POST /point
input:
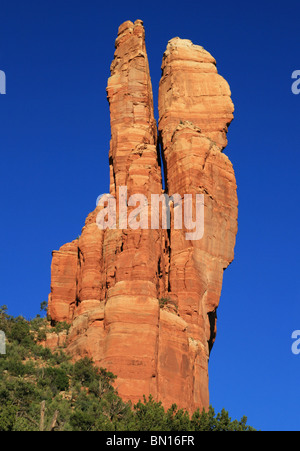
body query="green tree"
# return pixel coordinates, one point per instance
(44, 390)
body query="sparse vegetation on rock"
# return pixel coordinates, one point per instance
(42, 390)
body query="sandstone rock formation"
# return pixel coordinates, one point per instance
(142, 302)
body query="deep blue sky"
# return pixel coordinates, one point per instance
(54, 141)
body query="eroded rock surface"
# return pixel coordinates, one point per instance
(142, 302)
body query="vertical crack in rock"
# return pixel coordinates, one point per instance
(212, 318)
(109, 284)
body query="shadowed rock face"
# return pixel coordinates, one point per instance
(109, 284)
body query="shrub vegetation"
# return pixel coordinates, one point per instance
(42, 390)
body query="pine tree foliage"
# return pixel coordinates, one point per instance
(44, 391)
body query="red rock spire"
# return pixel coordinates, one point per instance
(109, 284)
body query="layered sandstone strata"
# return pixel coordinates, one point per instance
(195, 110)
(142, 302)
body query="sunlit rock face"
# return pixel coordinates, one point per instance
(142, 301)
